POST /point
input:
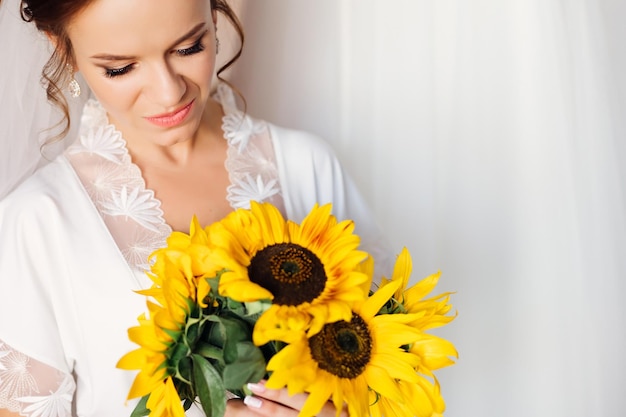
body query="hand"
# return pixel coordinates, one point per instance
(275, 403)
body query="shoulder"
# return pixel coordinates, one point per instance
(299, 138)
(298, 146)
(309, 171)
(46, 188)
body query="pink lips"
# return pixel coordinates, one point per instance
(171, 119)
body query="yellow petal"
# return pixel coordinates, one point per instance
(145, 336)
(244, 291)
(378, 299)
(145, 383)
(434, 351)
(394, 366)
(320, 393)
(378, 379)
(402, 271)
(134, 359)
(270, 216)
(423, 287)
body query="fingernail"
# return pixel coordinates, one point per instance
(253, 402)
(258, 388)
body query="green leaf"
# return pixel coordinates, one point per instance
(140, 409)
(225, 332)
(249, 366)
(179, 352)
(216, 333)
(192, 331)
(210, 351)
(257, 307)
(214, 282)
(235, 306)
(183, 369)
(209, 387)
(236, 331)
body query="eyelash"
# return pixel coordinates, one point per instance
(192, 50)
(116, 72)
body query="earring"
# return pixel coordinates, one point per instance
(217, 45)
(73, 86)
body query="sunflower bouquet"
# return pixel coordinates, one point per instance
(256, 296)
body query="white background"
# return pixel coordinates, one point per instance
(488, 135)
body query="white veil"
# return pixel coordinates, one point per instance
(25, 114)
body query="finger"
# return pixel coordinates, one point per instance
(278, 395)
(264, 407)
(282, 396)
(237, 408)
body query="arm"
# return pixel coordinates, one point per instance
(33, 373)
(28, 387)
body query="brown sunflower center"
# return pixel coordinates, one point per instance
(292, 273)
(343, 348)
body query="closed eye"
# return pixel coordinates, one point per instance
(193, 49)
(116, 72)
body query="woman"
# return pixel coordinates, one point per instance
(157, 147)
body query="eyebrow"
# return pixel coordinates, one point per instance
(111, 57)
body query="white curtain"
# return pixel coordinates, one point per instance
(488, 136)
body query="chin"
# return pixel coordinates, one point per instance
(167, 136)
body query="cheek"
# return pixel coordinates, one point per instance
(115, 95)
(200, 73)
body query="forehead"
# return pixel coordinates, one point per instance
(119, 25)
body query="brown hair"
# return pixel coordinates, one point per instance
(53, 17)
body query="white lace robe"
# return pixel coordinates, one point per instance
(75, 239)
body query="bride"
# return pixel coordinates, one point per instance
(157, 143)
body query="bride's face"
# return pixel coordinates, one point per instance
(149, 63)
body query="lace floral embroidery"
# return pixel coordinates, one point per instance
(15, 378)
(55, 404)
(104, 141)
(252, 189)
(239, 128)
(20, 391)
(136, 204)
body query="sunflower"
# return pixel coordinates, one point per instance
(156, 336)
(432, 352)
(187, 253)
(179, 285)
(346, 359)
(309, 271)
(429, 313)
(433, 312)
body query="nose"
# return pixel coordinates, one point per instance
(166, 87)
